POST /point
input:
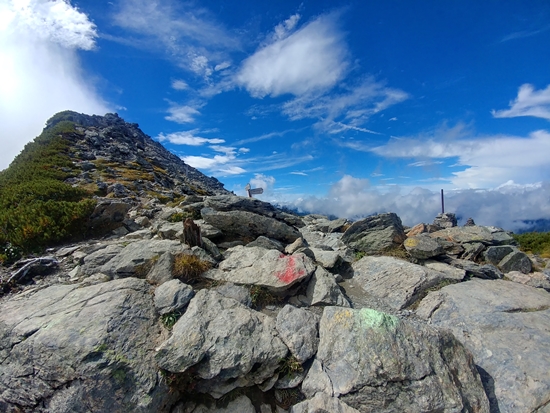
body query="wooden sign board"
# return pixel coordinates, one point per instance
(256, 191)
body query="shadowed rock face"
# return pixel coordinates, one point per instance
(376, 234)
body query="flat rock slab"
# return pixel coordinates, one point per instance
(224, 340)
(485, 235)
(69, 346)
(506, 326)
(399, 283)
(376, 363)
(259, 266)
(423, 246)
(247, 226)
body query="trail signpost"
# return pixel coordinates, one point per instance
(255, 191)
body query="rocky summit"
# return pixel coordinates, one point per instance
(194, 300)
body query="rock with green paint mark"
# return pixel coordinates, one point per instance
(375, 362)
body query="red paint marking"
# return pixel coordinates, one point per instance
(290, 272)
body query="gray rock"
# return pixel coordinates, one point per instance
(267, 243)
(208, 231)
(296, 245)
(241, 404)
(323, 290)
(108, 214)
(248, 226)
(67, 348)
(136, 258)
(422, 247)
(505, 326)
(322, 402)
(236, 292)
(227, 203)
(337, 225)
(172, 296)
(170, 230)
(398, 283)
(376, 363)
(472, 250)
(247, 344)
(93, 261)
(493, 255)
(516, 261)
(267, 268)
(328, 259)
(485, 235)
(445, 220)
(212, 249)
(375, 234)
(535, 279)
(162, 269)
(487, 271)
(298, 328)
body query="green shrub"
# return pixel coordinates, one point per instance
(37, 208)
(535, 243)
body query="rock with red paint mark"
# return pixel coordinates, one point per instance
(259, 266)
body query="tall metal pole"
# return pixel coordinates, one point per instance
(442, 203)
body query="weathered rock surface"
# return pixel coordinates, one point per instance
(322, 289)
(322, 402)
(71, 349)
(505, 326)
(376, 363)
(487, 271)
(172, 296)
(485, 235)
(298, 328)
(266, 268)
(249, 226)
(375, 234)
(535, 279)
(422, 247)
(516, 261)
(399, 283)
(247, 345)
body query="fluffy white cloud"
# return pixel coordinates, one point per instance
(40, 73)
(310, 59)
(507, 206)
(187, 138)
(266, 182)
(182, 113)
(529, 102)
(489, 161)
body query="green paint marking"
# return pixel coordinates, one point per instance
(375, 319)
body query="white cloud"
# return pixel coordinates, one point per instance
(529, 102)
(233, 170)
(189, 36)
(40, 73)
(182, 113)
(488, 161)
(283, 29)
(352, 104)
(311, 59)
(187, 138)
(179, 84)
(298, 173)
(504, 207)
(266, 182)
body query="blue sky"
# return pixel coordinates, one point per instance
(347, 108)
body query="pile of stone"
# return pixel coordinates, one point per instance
(363, 318)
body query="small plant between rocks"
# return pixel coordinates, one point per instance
(261, 296)
(170, 319)
(189, 268)
(290, 365)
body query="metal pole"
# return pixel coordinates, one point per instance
(442, 203)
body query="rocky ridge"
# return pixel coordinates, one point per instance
(265, 311)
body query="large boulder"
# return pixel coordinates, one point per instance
(375, 234)
(375, 362)
(299, 330)
(398, 283)
(69, 348)
(485, 235)
(228, 344)
(423, 247)
(247, 226)
(505, 326)
(516, 261)
(259, 266)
